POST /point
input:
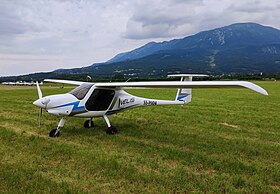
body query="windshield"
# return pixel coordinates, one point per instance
(80, 91)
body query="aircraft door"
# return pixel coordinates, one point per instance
(100, 100)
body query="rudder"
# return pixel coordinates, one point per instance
(185, 94)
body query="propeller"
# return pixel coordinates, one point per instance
(40, 95)
(41, 102)
(40, 116)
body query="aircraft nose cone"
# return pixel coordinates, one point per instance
(38, 103)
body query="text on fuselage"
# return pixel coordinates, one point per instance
(123, 102)
(150, 102)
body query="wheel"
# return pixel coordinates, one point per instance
(52, 133)
(88, 124)
(111, 130)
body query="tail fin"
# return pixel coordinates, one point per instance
(185, 94)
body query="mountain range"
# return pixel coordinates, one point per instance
(241, 48)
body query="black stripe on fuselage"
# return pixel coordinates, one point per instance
(110, 112)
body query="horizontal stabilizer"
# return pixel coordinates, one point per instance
(188, 75)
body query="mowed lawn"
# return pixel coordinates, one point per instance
(225, 140)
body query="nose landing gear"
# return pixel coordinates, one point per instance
(55, 132)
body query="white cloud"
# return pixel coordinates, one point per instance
(46, 35)
(159, 18)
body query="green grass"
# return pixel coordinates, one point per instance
(226, 140)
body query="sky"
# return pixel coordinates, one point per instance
(44, 35)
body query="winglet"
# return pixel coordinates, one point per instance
(253, 87)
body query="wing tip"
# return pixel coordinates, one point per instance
(265, 93)
(254, 87)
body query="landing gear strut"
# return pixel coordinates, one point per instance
(89, 123)
(111, 130)
(55, 132)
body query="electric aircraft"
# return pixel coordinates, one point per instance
(90, 100)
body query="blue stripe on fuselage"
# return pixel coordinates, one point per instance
(180, 97)
(74, 104)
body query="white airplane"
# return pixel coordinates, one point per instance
(90, 100)
(28, 83)
(21, 83)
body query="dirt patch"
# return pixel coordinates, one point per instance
(230, 125)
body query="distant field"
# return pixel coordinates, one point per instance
(226, 140)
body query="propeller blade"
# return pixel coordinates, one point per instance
(40, 95)
(40, 116)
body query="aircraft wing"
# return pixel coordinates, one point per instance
(64, 81)
(188, 84)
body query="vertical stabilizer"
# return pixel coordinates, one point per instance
(185, 94)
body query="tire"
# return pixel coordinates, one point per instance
(88, 124)
(52, 133)
(111, 130)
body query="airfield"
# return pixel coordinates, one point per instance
(225, 140)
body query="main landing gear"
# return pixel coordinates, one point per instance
(111, 130)
(89, 123)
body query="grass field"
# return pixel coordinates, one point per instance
(226, 140)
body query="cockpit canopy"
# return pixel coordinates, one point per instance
(81, 91)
